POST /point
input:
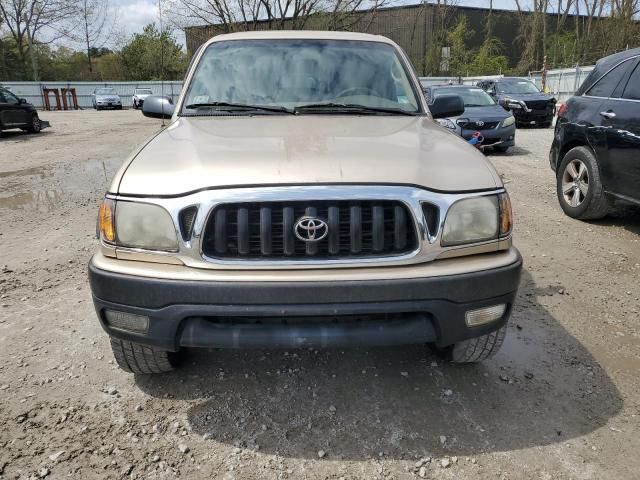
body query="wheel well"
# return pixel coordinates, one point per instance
(568, 146)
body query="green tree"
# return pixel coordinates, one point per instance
(460, 56)
(488, 60)
(142, 58)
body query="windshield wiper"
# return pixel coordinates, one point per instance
(241, 106)
(350, 107)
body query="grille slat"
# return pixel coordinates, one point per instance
(377, 228)
(334, 230)
(288, 236)
(220, 231)
(266, 230)
(242, 237)
(355, 229)
(400, 228)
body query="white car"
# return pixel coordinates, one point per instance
(139, 94)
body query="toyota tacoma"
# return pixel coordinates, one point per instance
(302, 195)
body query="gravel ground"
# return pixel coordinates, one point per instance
(561, 400)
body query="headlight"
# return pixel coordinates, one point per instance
(137, 225)
(477, 219)
(516, 104)
(445, 122)
(142, 225)
(507, 122)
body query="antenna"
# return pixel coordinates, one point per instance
(161, 60)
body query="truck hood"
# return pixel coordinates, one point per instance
(196, 153)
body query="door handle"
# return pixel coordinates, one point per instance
(608, 114)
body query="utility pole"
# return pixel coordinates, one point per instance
(424, 39)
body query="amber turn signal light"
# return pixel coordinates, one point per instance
(105, 221)
(506, 215)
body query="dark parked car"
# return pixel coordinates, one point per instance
(17, 113)
(596, 146)
(529, 105)
(481, 114)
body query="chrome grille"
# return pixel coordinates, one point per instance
(474, 125)
(266, 230)
(538, 105)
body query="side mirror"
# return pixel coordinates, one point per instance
(22, 101)
(158, 107)
(447, 106)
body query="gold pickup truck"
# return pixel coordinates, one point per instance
(303, 195)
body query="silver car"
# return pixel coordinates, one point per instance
(106, 97)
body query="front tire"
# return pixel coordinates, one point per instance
(501, 149)
(579, 187)
(474, 350)
(36, 125)
(141, 359)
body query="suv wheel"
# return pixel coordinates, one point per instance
(36, 125)
(137, 358)
(579, 188)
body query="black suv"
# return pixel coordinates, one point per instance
(17, 113)
(596, 146)
(523, 99)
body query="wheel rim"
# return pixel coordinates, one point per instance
(575, 183)
(36, 123)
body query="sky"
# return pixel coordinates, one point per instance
(133, 15)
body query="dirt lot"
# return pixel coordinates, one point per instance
(562, 399)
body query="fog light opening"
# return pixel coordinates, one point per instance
(482, 316)
(129, 322)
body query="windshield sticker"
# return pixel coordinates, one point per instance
(201, 99)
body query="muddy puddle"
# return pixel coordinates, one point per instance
(46, 188)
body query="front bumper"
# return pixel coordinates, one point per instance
(340, 310)
(500, 136)
(534, 117)
(104, 104)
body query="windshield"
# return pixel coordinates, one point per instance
(516, 86)
(143, 91)
(105, 91)
(294, 73)
(472, 97)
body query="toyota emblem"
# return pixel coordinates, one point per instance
(311, 229)
(480, 123)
